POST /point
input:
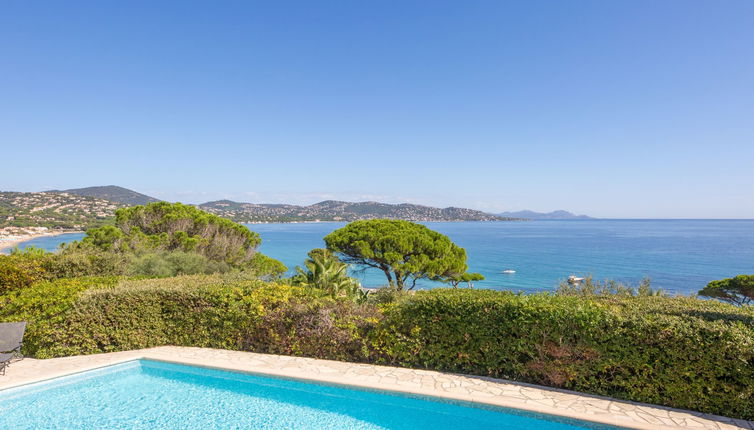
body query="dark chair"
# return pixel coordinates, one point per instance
(11, 338)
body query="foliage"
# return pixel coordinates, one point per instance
(176, 227)
(85, 261)
(468, 278)
(29, 251)
(210, 311)
(163, 264)
(44, 306)
(388, 296)
(679, 352)
(738, 290)
(315, 327)
(403, 250)
(325, 272)
(23, 268)
(264, 267)
(164, 239)
(589, 287)
(20, 270)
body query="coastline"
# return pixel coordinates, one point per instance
(365, 219)
(12, 241)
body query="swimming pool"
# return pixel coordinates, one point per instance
(147, 394)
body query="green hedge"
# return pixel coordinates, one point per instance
(45, 306)
(205, 311)
(15, 276)
(679, 352)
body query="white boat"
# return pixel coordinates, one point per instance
(509, 271)
(575, 280)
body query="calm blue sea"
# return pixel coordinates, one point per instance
(49, 243)
(680, 256)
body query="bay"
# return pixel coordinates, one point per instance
(48, 243)
(679, 256)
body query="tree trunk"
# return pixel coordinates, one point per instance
(386, 270)
(398, 281)
(389, 278)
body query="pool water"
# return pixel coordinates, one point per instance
(147, 394)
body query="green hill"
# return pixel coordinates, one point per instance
(112, 193)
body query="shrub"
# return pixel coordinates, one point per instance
(324, 271)
(206, 311)
(590, 288)
(23, 269)
(167, 239)
(190, 311)
(71, 263)
(19, 271)
(264, 267)
(176, 227)
(324, 328)
(386, 296)
(44, 306)
(165, 264)
(680, 352)
(683, 353)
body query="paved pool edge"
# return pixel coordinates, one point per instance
(475, 389)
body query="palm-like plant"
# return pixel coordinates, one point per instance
(325, 272)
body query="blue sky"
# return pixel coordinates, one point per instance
(610, 108)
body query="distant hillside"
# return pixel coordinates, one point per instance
(540, 215)
(84, 207)
(54, 210)
(331, 210)
(112, 193)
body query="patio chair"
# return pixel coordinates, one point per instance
(11, 338)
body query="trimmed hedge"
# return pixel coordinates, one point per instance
(45, 306)
(204, 311)
(17, 272)
(679, 352)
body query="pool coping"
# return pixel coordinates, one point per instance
(466, 388)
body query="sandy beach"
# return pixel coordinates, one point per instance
(9, 241)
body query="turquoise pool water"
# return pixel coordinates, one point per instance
(148, 394)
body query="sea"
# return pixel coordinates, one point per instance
(678, 256)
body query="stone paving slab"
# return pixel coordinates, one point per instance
(484, 390)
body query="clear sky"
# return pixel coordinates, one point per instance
(610, 108)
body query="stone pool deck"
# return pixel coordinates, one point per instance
(419, 382)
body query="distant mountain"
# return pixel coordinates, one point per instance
(332, 210)
(540, 215)
(112, 193)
